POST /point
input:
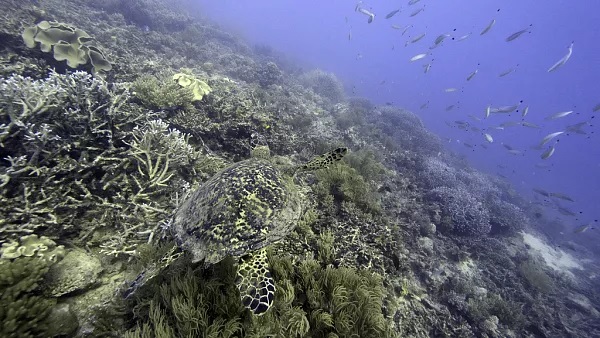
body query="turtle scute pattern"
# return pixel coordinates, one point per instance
(241, 209)
(257, 287)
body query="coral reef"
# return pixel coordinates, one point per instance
(324, 84)
(68, 44)
(466, 214)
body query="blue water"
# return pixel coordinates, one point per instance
(316, 35)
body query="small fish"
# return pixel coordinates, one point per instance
(541, 192)
(488, 111)
(576, 128)
(581, 229)
(474, 118)
(515, 152)
(450, 90)
(475, 129)
(350, 35)
(505, 109)
(418, 38)
(596, 108)
(509, 124)
(417, 12)
(530, 125)
(506, 72)
(424, 105)
(468, 145)
(392, 13)
(517, 34)
(488, 137)
(562, 61)
(405, 29)
(561, 196)
(426, 68)
(367, 13)
(549, 137)
(418, 57)
(559, 115)
(525, 111)
(396, 27)
(412, 2)
(450, 107)
(549, 152)
(565, 211)
(472, 74)
(489, 26)
(464, 37)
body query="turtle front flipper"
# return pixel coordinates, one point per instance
(325, 160)
(257, 287)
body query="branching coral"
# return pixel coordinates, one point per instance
(467, 214)
(325, 84)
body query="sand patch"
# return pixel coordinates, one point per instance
(554, 258)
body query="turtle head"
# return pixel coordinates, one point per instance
(259, 147)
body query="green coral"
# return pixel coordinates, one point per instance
(342, 183)
(32, 245)
(68, 44)
(311, 301)
(161, 93)
(23, 312)
(199, 88)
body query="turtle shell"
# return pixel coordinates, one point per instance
(241, 209)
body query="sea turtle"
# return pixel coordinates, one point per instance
(241, 210)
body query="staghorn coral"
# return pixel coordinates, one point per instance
(505, 217)
(466, 214)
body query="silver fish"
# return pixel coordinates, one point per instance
(405, 29)
(581, 229)
(530, 125)
(418, 38)
(596, 108)
(576, 128)
(562, 61)
(505, 109)
(517, 34)
(506, 72)
(472, 74)
(424, 105)
(417, 12)
(450, 90)
(450, 107)
(426, 68)
(367, 13)
(396, 27)
(549, 152)
(392, 13)
(412, 2)
(559, 115)
(561, 196)
(489, 26)
(418, 57)
(488, 111)
(488, 137)
(464, 37)
(549, 137)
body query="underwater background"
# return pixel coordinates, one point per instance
(423, 169)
